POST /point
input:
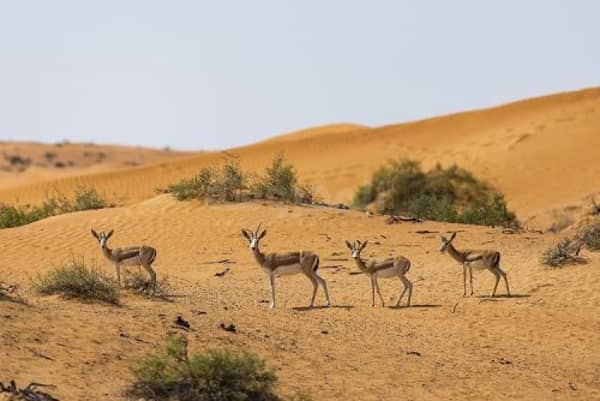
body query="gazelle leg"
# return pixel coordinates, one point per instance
(372, 292)
(152, 274)
(407, 286)
(401, 294)
(379, 292)
(503, 273)
(471, 278)
(464, 280)
(323, 283)
(497, 275)
(315, 287)
(272, 286)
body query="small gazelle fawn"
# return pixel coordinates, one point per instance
(129, 256)
(479, 259)
(288, 263)
(392, 267)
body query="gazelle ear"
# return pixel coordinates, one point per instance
(262, 234)
(246, 234)
(364, 245)
(95, 234)
(110, 233)
(349, 245)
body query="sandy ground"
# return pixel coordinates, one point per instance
(530, 346)
(540, 344)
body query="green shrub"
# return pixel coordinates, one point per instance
(230, 183)
(224, 184)
(84, 199)
(76, 280)
(278, 182)
(87, 199)
(216, 375)
(591, 236)
(566, 252)
(446, 194)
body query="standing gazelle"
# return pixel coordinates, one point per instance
(470, 259)
(392, 267)
(288, 263)
(130, 256)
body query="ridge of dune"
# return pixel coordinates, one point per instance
(539, 152)
(327, 129)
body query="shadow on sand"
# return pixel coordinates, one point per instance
(503, 296)
(308, 308)
(415, 306)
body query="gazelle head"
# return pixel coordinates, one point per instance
(446, 242)
(356, 248)
(102, 237)
(254, 237)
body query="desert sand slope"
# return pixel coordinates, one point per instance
(542, 153)
(539, 345)
(26, 163)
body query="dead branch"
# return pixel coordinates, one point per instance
(29, 393)
(397, 219)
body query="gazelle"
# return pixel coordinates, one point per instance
(130, 256)
(288, 263)
(388, 268)
(479, 259)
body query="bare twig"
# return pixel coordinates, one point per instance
(29, 393)
(397, 219)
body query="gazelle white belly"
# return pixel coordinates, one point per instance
(287, 270)
(477, 264)
(130, 262)
(387, 273)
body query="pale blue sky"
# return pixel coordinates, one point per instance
(214, 74)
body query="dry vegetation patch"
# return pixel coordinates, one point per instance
(137, 281)
(565, 252)
(229, 183)
(216, 375)
(84, 198)
(591, 236)
(76, 279)
(448, 194)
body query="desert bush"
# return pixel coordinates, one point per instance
(217, 375)
(87, 199)
(591, 236)
(565, 252)
(447, 194)
(84, 199)
(75, 279)
(224, 184)
(232, 184)
(278, 182)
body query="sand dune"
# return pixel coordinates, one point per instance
(538, 345)
(527, 347)
(540, 153)
(30, 163)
